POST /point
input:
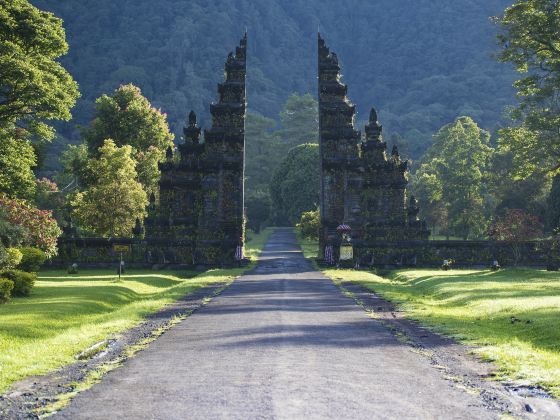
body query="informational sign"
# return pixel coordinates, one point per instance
(346, 253)
(121, 248)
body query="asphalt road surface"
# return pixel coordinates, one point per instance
(281, 342)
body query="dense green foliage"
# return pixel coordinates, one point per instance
(24, 225)
(530, 39)
(553, 219)
(295, 184)
(111, 205)
(309, 224)
(34, 86)
(422, 62)
(23, 282)
(128, 118)
(451, 180)
(17, 160)
(6, 287)
(268, 143)
(510, 315)
(13, 258)
(32, 259)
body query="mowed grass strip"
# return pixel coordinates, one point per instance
(66, 314)
(512, 316)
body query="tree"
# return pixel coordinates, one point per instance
(148, 169)
(34, 87)
(515, 227)
(24, 225)
(300, 120)
(75, 169)
(116, 192)
(510, 192)
(258, 210)
(17, 160)
(128, 118)
(452, 175)
(295, 184)
(554, 205)
(261, 151)
(529, 37)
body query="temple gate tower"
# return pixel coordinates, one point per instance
(200, 214)
(361, 186)
(338, 149)
(221, 222)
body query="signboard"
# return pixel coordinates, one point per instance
(346, 253)
(121, 248)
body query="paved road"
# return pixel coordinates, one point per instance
(281, 342)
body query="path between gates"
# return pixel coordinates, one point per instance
(281, 342)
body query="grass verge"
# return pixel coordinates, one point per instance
(511, 316)
(309, 247)
(68, 313)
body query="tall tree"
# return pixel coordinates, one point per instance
(261, 150)
(116, 192)
(17, 160)
(300, 120)
(530, 40)
(553, 215)
(295, 184)
(452, 176)
(34, 87)
(128, 118)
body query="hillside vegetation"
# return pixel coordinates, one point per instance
(422, 62)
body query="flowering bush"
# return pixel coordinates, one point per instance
(29, 226)
(516, 225)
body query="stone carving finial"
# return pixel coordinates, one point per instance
(395, 152)
(192, 119)
(334, 58)
(373, 116)
(191, 130)
(373, 128)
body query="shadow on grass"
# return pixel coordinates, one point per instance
(496, 307)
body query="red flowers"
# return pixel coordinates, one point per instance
(35, 227)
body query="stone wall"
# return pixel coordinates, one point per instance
(425, 253)
(145, 253)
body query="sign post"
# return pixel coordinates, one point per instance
(121, 249)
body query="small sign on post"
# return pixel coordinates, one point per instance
(121, 249)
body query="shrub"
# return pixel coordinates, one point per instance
(3, 254)
(22, 282)
(32, 259)
(309, 224)
(6, 287)
(28, 226)
(13, 259)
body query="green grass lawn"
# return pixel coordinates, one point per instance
(512, 316)
(65, 313)
(309, 247)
